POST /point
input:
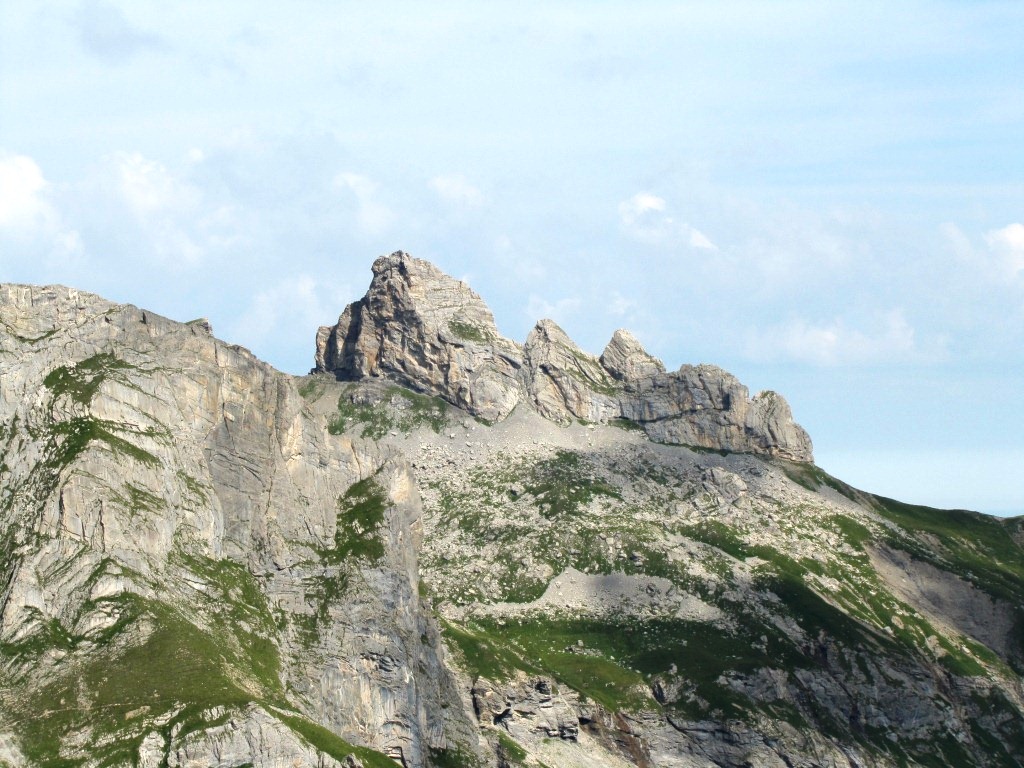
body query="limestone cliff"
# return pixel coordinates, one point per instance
(430, 332)
(167, 496)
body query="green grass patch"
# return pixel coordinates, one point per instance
(357, 540)
(510, 748)
(242, 617)
(564, 484)
(81, 381)
(70, 439)
(484, 654)
(330, 743)
(193, 486)
(813, 478)
(453, 757)
(399, 409)
(627, 424)
(469, 331)
(612, 661)
(312, 388)
(360, 516)
(107, 691)
(978, 548)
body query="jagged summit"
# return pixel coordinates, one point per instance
(426, 330)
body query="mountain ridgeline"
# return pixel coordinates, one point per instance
(444, 548)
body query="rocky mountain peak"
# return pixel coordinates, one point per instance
(428, 331)
(625, 358)
(564, 382)
(423, 329)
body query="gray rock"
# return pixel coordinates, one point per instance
(140, 458)
(427, 331)
(562, 381)
(625, 358)
(154, 478)
(424, 330)
(707, 407)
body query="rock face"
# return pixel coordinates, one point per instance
(165, 492)
(708, 407)
(562, 381)
(427, 331)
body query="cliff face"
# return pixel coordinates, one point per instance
(430, 332)
(205, 562)
(167, 497)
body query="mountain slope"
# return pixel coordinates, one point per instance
(444, 548)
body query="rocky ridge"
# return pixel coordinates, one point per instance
(430, 332)
(207, 562)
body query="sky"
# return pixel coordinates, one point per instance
(824, 198)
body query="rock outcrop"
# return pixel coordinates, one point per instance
(427, 331)
(562, 381)
(708, 407)
(626, 359)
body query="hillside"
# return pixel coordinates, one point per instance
(444, 548)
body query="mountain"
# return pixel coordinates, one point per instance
(444, 548)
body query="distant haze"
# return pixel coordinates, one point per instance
(825, 198)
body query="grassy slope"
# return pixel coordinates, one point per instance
(614, 661)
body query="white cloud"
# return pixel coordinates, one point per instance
(644, 218)
(1007, 245)
(891, 340)
(148, 187)
(699, 240)
(642, 202)
(561, 311)
(523, 267)
(999, 260)
(373, 216)
(21, 193)
(292, 310)
(106, 33)
(167, 209)
(619, 305)
(457, 190)
(31, 229)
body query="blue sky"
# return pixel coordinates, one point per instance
(825, 198)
